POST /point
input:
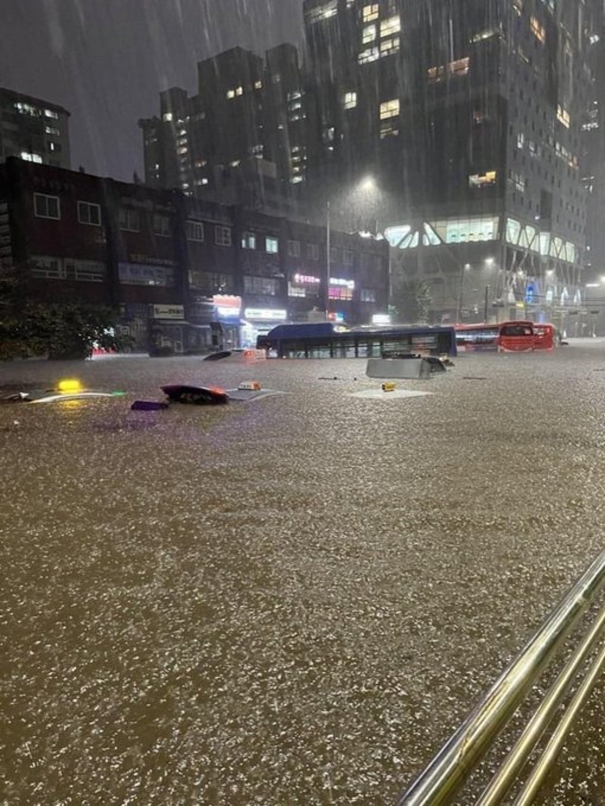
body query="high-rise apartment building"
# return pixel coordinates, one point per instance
(241, 139)
(33, 129)
(468, 115)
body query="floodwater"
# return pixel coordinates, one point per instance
(293, 600)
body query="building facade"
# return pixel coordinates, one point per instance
(187, 275)
(33, 129)
(241, 139)
(469, 115)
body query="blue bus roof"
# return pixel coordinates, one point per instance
(304, 330)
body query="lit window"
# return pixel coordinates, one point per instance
(563, 116)
(167, 116)
(195, 231)
(30, 157)
(89, 214)
(390, 26)
(48, 113)
(537, 29)
(435, 74)
(389, 46)
(482, 180)
(239, 90)
(350, 101)
(248, 240)
(230, 94)
(323, 12)
(47, 206)
(370, 12)
(258, 85)
(52, 131)
(389, 109)
(520, 140)
(369, 55)
(271, 245)
(487, 33)
(368, 34)
(459, 67)
(27, 109)
(518, 6)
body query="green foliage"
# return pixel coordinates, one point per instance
(59, 330)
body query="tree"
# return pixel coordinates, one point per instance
(59, 330)
(410, 299)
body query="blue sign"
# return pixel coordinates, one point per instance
(530, 293)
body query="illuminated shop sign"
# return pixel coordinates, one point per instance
(265, 313)
(338, 281)
(381, 319)
(227, 304)
(306, 279)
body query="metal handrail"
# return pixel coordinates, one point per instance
(448, 771)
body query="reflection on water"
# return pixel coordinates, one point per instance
(293, 600)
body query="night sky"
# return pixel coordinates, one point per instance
(107, 60)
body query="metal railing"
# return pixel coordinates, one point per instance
(447, 773)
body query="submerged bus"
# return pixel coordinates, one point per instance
(545, 336)
(326, 340)
(515, 336)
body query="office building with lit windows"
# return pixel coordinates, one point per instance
(33, 130)
(468, 116)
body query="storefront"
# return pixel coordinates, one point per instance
(226, 324)
(167, 329)
(258, 321)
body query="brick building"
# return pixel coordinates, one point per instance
(187, 275)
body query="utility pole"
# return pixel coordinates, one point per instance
(327, 261)
(486, 303)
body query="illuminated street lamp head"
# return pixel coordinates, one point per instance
(368, 183)
(489, 261)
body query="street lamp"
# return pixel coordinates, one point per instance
(367, 185)
(327, 306)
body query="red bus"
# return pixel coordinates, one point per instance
(545, 336)
(503, 337)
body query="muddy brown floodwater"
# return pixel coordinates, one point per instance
(293, 600)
